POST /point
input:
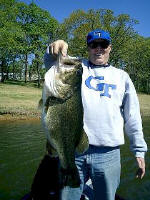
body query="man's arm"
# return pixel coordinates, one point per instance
(133, 126)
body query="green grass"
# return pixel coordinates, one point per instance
(19, 100)
(144, 100)
(22, 100)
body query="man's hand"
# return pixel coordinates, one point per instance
(59, 45)
(141, 164)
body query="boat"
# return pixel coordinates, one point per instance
(46, 185)
(53, 197)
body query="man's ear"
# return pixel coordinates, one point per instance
(110, 46)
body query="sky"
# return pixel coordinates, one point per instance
(137, 9)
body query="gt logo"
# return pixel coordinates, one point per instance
(99, 86)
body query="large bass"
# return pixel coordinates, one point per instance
(63, 115)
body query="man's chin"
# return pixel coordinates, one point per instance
(99, 62)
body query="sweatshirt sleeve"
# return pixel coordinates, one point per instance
(132, 120)
(49, 60)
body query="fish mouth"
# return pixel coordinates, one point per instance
(70, 63)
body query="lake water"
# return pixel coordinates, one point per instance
(22, 146)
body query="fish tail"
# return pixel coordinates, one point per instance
(70, 177)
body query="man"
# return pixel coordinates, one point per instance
(110, 103)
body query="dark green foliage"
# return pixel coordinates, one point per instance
(25, 30)
(130, 51)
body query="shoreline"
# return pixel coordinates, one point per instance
(14, 117)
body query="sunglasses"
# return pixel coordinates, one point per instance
(102, 44)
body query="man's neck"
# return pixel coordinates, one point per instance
(98, 65)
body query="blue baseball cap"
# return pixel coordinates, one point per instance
(98, 34)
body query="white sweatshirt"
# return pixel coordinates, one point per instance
(110, 105)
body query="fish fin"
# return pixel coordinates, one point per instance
(50, 101)
(40, 103)
(83, 143)
(53, 100)
(50, 149)
(59, 60)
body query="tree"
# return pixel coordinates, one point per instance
(10, 32)
(38, 27)
(122, 35)
(80, 23)
(24, 30)
(129, 50)
(138, 63)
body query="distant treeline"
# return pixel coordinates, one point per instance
(25, 31)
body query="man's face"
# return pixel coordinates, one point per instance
(99, 51)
